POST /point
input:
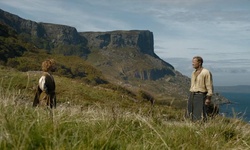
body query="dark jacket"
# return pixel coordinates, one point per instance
(48, 96)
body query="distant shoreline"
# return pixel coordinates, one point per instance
(233, 89)
(239, 106)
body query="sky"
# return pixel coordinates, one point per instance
(217, 30)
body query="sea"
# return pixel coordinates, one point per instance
(239, 106)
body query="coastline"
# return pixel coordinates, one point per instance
(238, 107)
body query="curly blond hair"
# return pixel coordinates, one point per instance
(48, 65)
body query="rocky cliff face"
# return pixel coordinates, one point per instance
(55, 34)
(129, 53)
(61, 34)
(126, 53)
(66, 35)
(141, 40)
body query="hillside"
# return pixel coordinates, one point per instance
(120, 58)
(113, 92)
(124, 58)
(69, 91)
(97, 117)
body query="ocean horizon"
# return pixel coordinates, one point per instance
(239, 106)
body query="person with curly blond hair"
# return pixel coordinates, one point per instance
(45, 93)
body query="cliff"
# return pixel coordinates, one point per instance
(126, 58)
(141, 40)
(117, 46)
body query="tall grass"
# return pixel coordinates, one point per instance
(101, 127)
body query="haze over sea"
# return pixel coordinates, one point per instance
(240, 106)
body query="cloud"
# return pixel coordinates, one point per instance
(223, 66)
(225, 72)
(230, 66)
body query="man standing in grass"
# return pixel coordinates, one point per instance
(201, 91)
(45, 94)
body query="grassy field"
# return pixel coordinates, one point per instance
(96, 117)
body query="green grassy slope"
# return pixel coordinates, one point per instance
(93, 117)
(68, 90)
